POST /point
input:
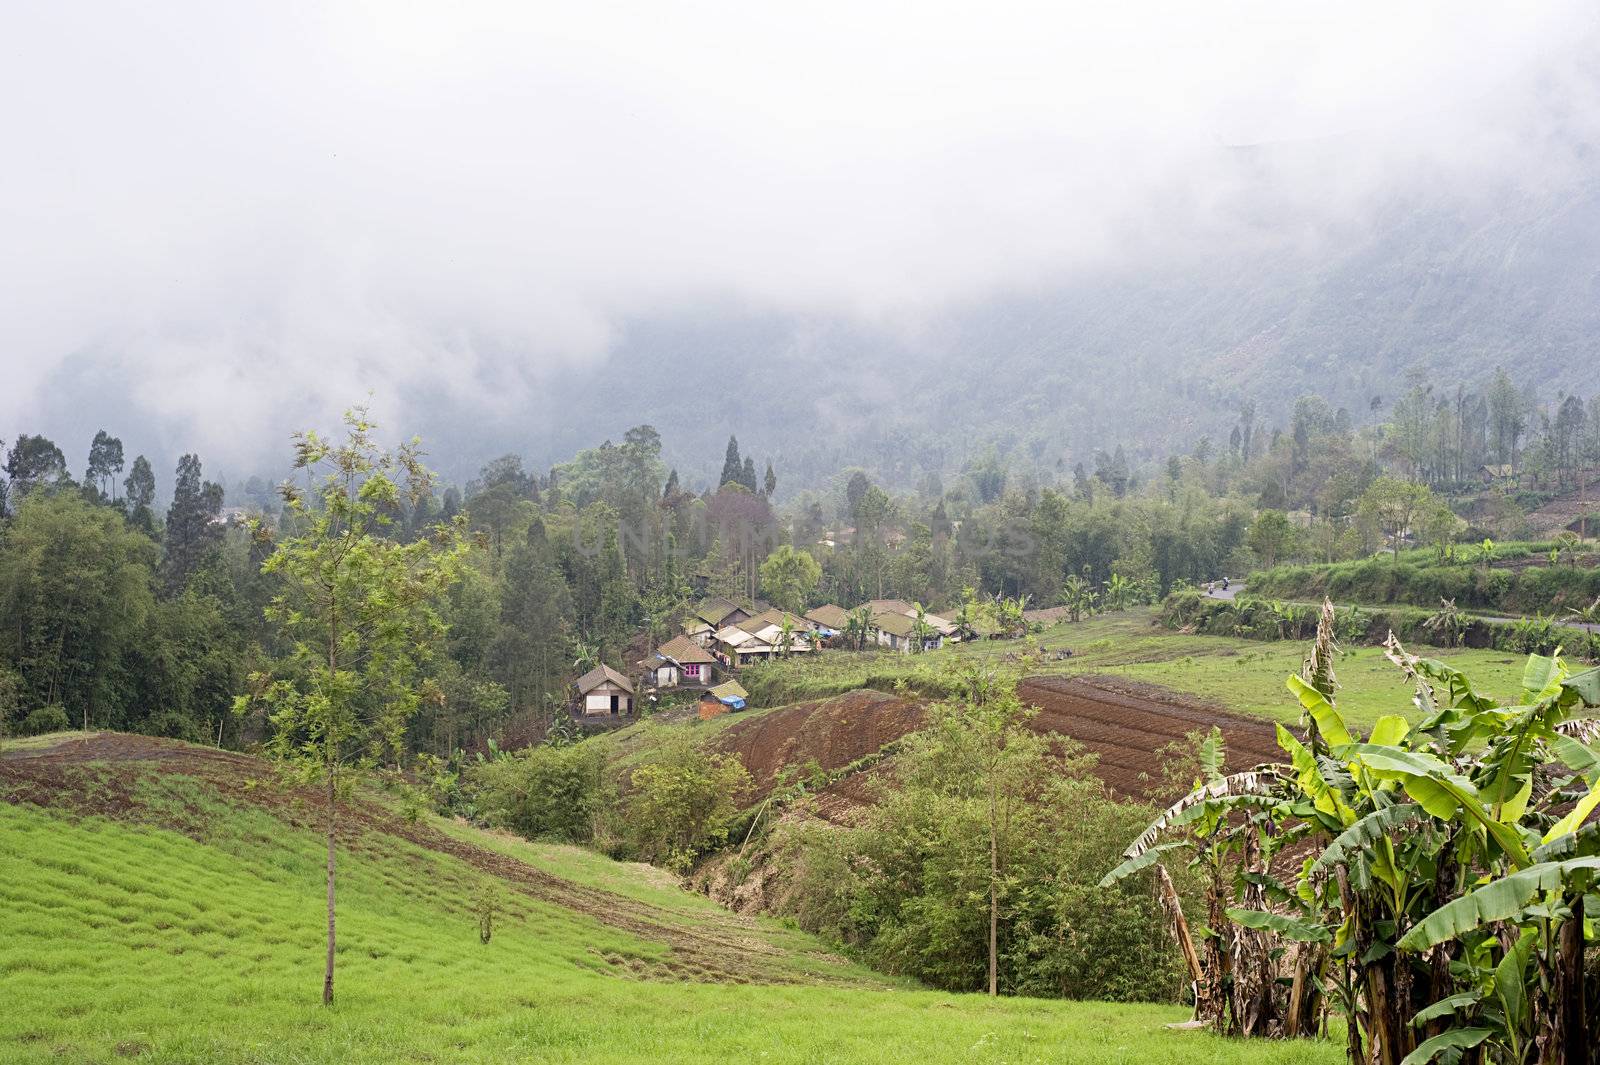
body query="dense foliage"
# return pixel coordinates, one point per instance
(1449, 867)
(986, 822)
(128, 615)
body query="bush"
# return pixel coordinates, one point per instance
(908, 887)
(45, 719)
(543, 792)
(173, 725)
(1422, 582)
(1249, 618)
(681, 803)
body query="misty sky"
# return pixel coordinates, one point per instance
(229, 220)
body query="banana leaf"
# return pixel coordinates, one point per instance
(1510, 983)
(1446, 1006)
(1212, 754)
(1389, 730)
(1140, 862)
(1323, 795)
(1368, 830)
(1583, 843)
(1254, 782)
(1439, 789)
(1454, 1039)
(1288, 927)
(1578, 815)
(1573, 751)
(1541, 678)
(1329, 723)
(1498, 900)
(1582, 687)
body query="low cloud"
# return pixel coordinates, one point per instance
(222, 223)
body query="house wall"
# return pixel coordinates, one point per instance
(598, 701)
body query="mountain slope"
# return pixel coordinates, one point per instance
(1150, 350)
(164, 901)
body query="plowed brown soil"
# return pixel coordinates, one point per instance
(833, 733)
(1125, 723)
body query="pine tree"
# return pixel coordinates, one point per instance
(732, 467)
(192, 522)
(140, 490)
(769, 483)
(671, 491)
(529, 655)
(747, 476)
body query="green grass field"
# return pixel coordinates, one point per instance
(183, 923)
(1246, 676)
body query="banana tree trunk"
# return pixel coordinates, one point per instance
(1572, 1029)
(1180, 929)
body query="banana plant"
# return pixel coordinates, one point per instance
(1078, 596)
(858, 626)
(1454, 862)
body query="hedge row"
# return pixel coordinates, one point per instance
(1531, 590)
(1255, 618)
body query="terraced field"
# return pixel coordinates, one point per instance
(163, 902)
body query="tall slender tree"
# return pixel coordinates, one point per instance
(105, 462)
(140, 489)
(358, 610)
(732, 466)
(193, 523)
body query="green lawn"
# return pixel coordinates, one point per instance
(189, 929)
(1246, 676)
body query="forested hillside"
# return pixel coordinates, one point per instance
(1279, 303)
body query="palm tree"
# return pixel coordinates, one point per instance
(1448, 621)
(1077, 595)
(785, 636)
(858, 626)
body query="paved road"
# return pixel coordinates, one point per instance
(1233, 589)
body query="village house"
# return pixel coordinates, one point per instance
(679, 662)
(603, 692)
(713, 614)
(828, 622)
(829, 616)
(899, 632)
(729, 695)
(741, 647)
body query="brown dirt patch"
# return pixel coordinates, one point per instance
(833, 733)
(1125, 723)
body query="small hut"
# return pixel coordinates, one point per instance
(603, 692)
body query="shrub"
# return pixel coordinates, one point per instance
(543, 792)
(908, 887)
(173, 725)
(681, 803)
(45, 719)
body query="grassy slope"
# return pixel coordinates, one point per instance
(1242, 675)
(202, 941)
